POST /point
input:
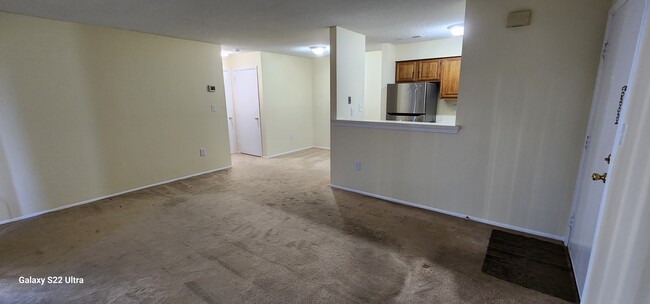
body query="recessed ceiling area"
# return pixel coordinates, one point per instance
(281, 26)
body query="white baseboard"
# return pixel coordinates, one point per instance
(26, 216)
(294, 151)
(321, 147)
(476, 219)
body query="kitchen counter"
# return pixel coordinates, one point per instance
(443, 127)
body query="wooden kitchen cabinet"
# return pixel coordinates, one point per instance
(406, 71)
(445, 70)
(417, 70)
(429, 70)
(449, 77)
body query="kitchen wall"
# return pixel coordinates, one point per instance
(449, 47)
(372, 87)
(287, 111)
(87, 111)
(321, 101)
(516, 156)
(387, 71)
(347, 67)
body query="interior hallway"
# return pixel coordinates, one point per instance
(265, 231)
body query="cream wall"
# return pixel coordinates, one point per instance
(286, 107)
(523, 106)
(321, 101)
(243, 61)
(287, 111)
(620, 267)
(348, 50)
(449, 47)
(387, 72)
(87, 111)
(372, 87)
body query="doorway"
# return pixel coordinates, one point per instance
(606, 124)
(248, 123)
(230, 112)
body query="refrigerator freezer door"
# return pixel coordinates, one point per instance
(406, 98)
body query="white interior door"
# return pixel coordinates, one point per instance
(247, 111)
(230, 111)
(605, 121)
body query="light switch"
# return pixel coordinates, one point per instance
(213, 108)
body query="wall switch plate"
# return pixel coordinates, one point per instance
(202, 152)
(349, 99)
(213, 108)
(357, 165)
(211, 88)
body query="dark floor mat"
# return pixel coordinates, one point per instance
(531, 263)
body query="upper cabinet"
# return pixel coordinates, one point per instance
(406, 71)
(417, 70)
(445, 70)
(450, 77)
(429, 70)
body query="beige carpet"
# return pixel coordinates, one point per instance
(265, 231)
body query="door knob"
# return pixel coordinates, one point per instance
(608, 158)
(602, 177)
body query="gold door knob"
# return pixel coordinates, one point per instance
(602, 177)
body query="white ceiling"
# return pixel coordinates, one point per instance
(282, 26)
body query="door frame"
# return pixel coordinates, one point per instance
(259, 105)
(618, 139)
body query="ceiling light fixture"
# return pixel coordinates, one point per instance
(225, 53)
(317, 50)
(457, 29)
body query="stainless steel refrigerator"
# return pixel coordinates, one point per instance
(416, 101)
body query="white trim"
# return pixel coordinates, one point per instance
(460, 215)
(321, 147)
(293, 151)
(35, 214)
(397, 125)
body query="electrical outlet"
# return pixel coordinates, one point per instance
(202, 152)
(349, 99)
(357, 165)
(213, 108)
(453, 108)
